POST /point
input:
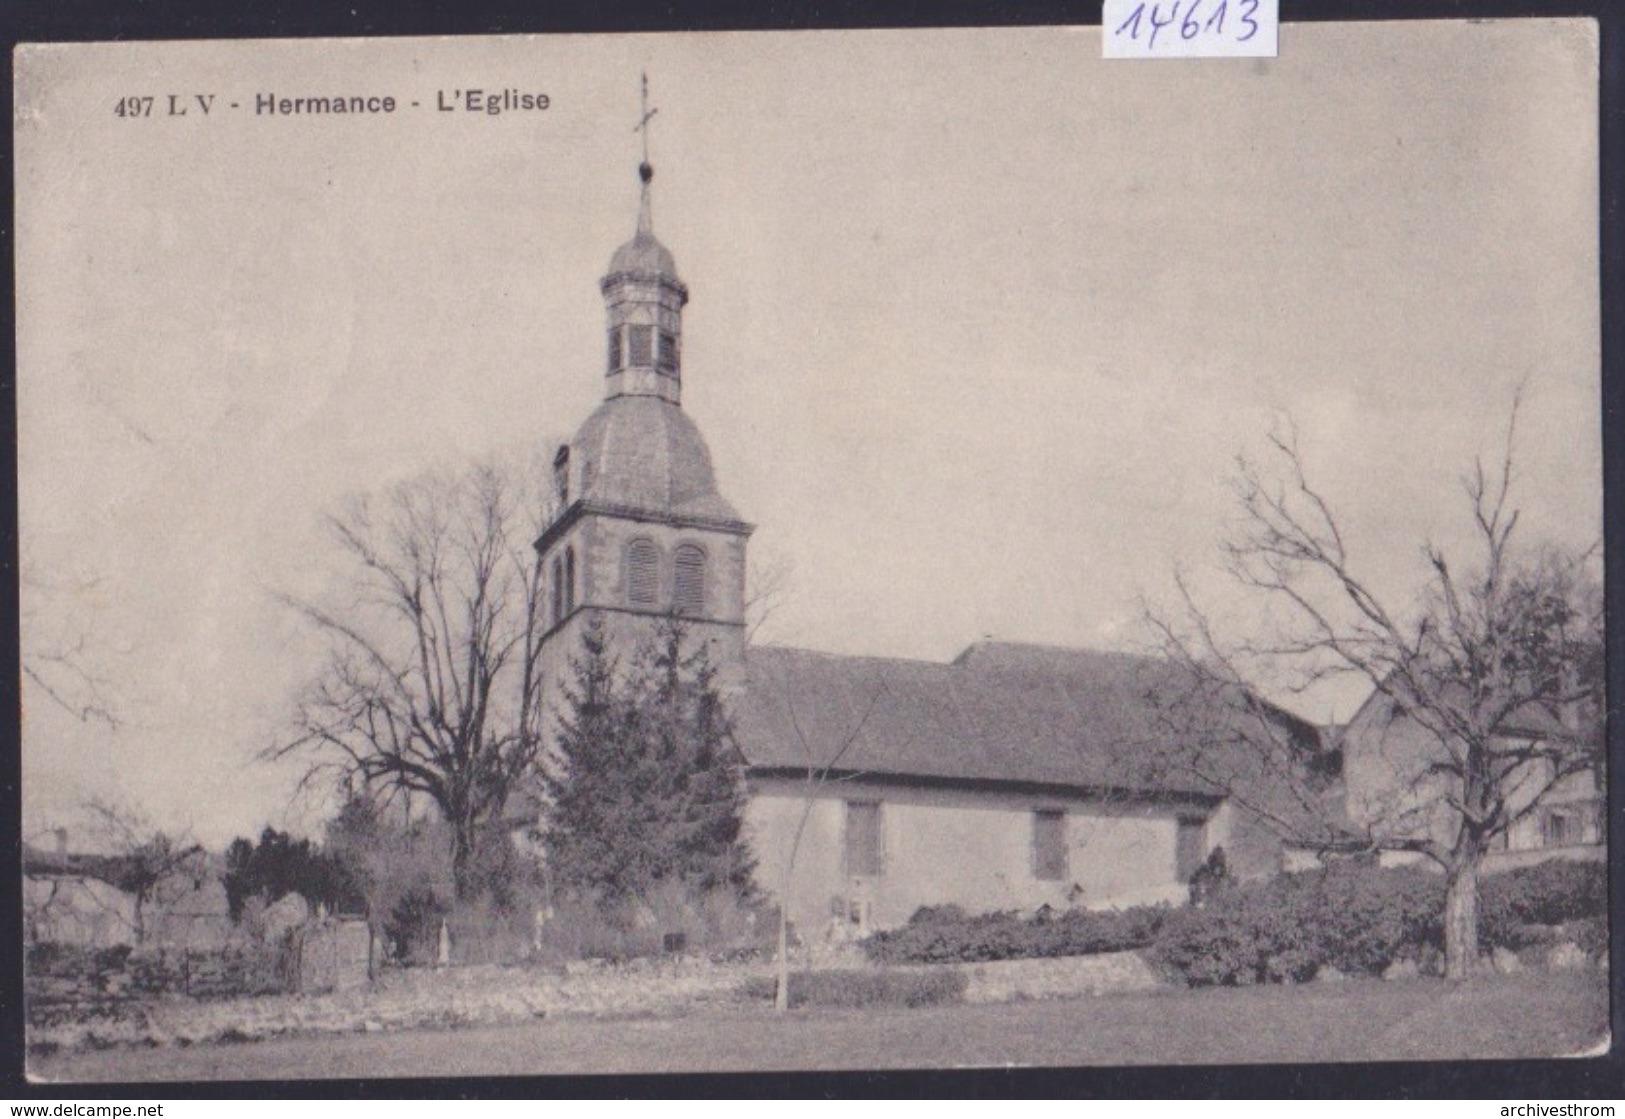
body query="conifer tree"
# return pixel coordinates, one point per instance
(703, 794)
(644, 781)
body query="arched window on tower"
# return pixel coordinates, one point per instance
(614, 349)
(642, 573)
(668, 352)
(569, 580)
(689, 596)
(558, 590)
(561, 474)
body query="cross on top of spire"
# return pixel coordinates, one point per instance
(646, 114)
(645, 171)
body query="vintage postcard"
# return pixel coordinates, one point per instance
(818, 550)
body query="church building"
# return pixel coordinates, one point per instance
(1001, 780)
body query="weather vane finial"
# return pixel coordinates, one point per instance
(645, 171)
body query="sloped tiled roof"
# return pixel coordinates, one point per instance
(998, 713)
(645, 453)
(1531, 720)
(38, 860)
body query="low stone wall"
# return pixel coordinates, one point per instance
(62, 978)
(1058, 977)
(414, 998)
(1045, 977)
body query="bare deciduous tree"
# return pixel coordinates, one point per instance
(431, 683)
(822, 766)
(138, 857)
(1494, 666)
(767, 590)
(57, 645)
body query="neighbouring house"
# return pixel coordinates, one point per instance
(1388, 791)
(66, 902)
(189, 910)
(75, 909)
(1010, 778)
(68, 899)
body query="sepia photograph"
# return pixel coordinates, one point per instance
(810, 551)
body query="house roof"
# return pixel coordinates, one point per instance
(1531, 720)
(68, 864)
(999, 712)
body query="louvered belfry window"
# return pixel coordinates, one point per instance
(614, 349)
(643, 573)
(640, 340)
(690, 589)
(668, 352)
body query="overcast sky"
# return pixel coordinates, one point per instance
(978, 323)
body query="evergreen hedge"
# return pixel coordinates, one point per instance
(946, 935)
(1352, 916)
(1360, 919)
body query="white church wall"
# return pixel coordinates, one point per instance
(970, 848)
(1124, 859)
(816, 879)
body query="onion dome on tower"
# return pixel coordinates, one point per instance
(645, 301)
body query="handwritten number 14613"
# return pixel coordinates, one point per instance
(1151, 19)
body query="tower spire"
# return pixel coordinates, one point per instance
(645, 300)
(646, 172)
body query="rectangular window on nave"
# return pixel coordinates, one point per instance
(1049, 845)
(863, 850)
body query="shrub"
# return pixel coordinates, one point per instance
(412, 928)
(1351, 916)
(949, 914)
(1549, 893)
(58, 959)
(943, 934)
(1359, 918)
(1369, 917)
(1589, 934)
(1516, 935)
(484, 933)
(856, 988)
(280, 865)
(1210, 877)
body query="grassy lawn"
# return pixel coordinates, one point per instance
(1526, 1015)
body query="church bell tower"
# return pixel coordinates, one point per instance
(642, 533)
